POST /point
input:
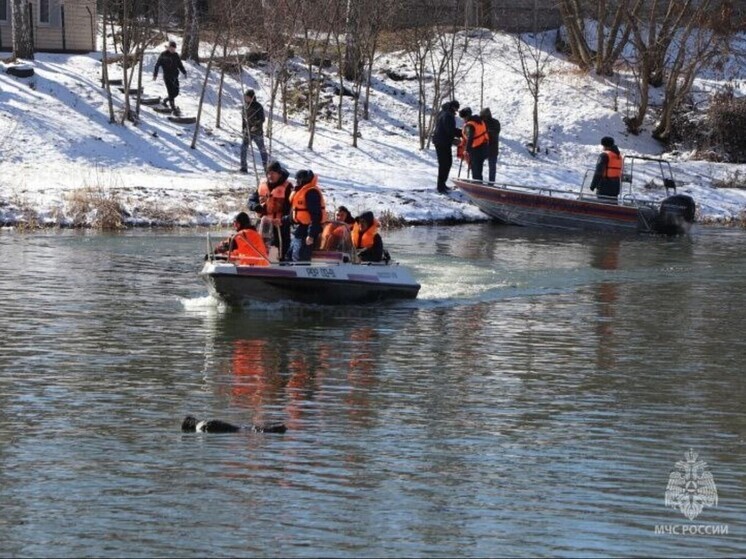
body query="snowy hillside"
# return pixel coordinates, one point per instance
(57, 148)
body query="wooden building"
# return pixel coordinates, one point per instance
(57, 25)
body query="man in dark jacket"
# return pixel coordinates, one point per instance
(475, 141)
(307, 213)
(608, 175)
(493, 148)
(170, 61)
(253, 129)
(444, 137)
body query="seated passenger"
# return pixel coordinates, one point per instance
(245, 245)
(336, 233)
(366, 239)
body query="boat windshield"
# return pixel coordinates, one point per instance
(336, 237)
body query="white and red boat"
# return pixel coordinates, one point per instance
(330, 278)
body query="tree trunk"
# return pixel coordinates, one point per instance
(22, 33)
(220, 88)
(105, 63)
(352, 44)
(193, 52)
(202, 95)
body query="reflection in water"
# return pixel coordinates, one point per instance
(532, 401)
(605, 256)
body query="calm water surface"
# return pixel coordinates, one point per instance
(533, 401)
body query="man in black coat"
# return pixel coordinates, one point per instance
(493, 148)
(445, 136)
(253, 129)
(170, 61)
(607, 178)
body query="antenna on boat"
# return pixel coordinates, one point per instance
(209, 245)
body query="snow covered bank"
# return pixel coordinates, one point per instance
(60, 159)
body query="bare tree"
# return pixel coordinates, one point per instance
(612, 33)
(435, 53)
(190, 45)
(314, 19)
(673, 41)
(22, 37)
(204, 89)
(105, 60)
(533, 58)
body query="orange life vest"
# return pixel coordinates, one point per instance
(366, 238)
(333, 235)
(614, 165)
(250, 249)
(481, 136)
(298, 203)
(273, 200)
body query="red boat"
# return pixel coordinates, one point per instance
(573, 210)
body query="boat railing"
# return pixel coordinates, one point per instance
(626, 198)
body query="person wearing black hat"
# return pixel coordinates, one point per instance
(271, 200)
(307, 213)
(241, 222)
(170, 61)
(445, 136)
(253, 129)
(475, 142)
(607, 178)
(493, 150)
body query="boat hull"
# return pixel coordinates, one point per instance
(317, 284)
(531, 209)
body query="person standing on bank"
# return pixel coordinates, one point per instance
(307, 213)
(493, 147)
(253, 129)
(445, 136)
(608, 176)
(170, 61)
(475, 142)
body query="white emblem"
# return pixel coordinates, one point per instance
(691, 487)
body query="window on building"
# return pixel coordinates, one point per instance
(43, 11)
(3, 10)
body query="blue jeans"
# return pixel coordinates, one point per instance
(258, 140)
(299, 251)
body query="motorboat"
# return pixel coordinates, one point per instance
(331, 277)
(536, 206)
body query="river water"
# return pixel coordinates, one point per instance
(534, 400)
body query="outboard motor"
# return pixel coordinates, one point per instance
(675, 215)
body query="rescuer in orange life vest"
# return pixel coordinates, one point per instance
(608, 176)
(307, 213)
(336, 232)
(475, 142)
(366, 239)
(245, 246)
(272, 199)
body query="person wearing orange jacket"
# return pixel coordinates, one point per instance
(272, 199)
(245, 246)
(607, 178)
(475, 142)
(307, 213)
(366, 239)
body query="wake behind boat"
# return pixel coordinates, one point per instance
(534, 206)
(330, 278)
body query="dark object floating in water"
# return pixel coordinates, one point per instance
(115, 81)
(20, 71)
(191, 425)
(162, 109)
(132, 90)
(183, 119)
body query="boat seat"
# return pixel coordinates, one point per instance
(330, 256)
